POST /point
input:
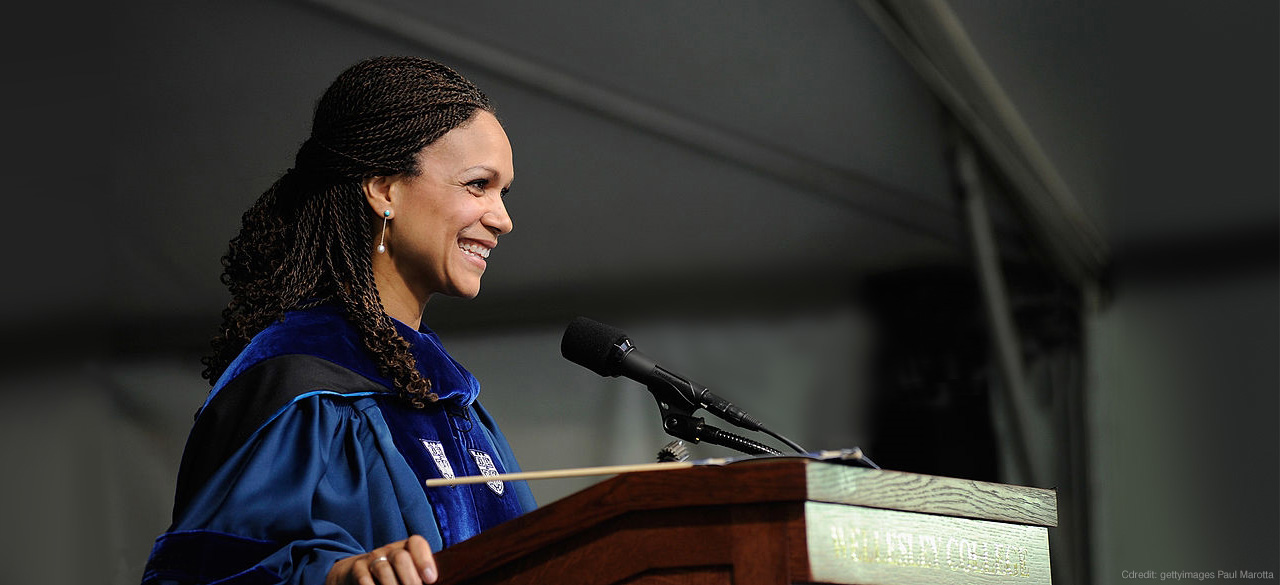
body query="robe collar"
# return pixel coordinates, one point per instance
(323, 331)
(449, 380)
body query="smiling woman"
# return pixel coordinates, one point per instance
(331, 405)
(446, 219)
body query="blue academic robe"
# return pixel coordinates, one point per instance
(303, 454)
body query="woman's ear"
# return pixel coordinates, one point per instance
(377, 191)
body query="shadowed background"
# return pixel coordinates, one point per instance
(762, 194)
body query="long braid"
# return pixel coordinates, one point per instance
(363, 304)
(307, 240)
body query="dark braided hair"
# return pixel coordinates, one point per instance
(308, 239)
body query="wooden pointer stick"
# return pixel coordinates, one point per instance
(576, 472)
(854, 454)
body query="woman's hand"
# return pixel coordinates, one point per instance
(404, 562)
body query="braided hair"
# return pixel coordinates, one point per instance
(308, 239)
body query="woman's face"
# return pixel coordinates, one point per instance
(447, 220)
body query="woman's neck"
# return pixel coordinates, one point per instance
(398, 301)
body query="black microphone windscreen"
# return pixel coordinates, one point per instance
(590, 344)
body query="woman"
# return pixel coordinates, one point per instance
(331, 405)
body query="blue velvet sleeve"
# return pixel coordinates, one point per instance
(321, 481)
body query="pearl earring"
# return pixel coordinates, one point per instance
(382, 243)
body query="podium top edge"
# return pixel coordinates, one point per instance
(930, 494)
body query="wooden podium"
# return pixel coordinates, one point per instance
(770, 521)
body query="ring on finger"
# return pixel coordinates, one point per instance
(380, 559)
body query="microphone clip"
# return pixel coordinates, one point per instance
(679, 422)
(677, 412)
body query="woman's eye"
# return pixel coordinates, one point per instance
(479, 184)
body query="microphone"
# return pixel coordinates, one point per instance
(608, 352)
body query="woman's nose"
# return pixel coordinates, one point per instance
(497, 219)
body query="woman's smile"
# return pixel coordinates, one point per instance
(476, 251)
